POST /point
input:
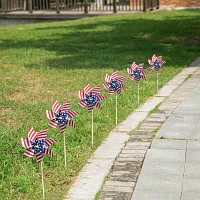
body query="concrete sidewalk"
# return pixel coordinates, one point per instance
(171, 169)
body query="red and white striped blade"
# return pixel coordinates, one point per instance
(39, 157)
(96, 90)
(62, 128)
(87, 89)
(49, 141)
(50, 114)
(42, 134)
(82, 103)
(107, 78)
(53, 124)
(32, 135)
(29, 153)
(56, 107)
(26, 143)
(114, 75)
(72, 113)
(65, 107)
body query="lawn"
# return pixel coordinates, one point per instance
(43, 62)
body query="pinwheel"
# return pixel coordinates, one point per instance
(61, 116)
(37, 144)
(91, 98)
(137, 72)
(157, 64)
(114, 83)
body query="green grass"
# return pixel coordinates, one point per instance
(43, 62)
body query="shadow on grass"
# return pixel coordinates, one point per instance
(114, 43)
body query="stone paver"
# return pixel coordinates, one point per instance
(159, 195)
(131, 122)
(168, 144)
(150, 104)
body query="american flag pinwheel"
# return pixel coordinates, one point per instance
(114, 83)
(137, 72)
(37, 144)
(61, 116)
(156, 63)
(91, 97)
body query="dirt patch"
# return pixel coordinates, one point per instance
(8, 117)
(17, 96)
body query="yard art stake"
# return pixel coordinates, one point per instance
(42, 181)
(138, 93)
(137, 72)
(37, 144)
(91, 98)
(157, 64)
(114, 83)
(61, 116)
(116, 118)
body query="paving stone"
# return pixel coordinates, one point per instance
(162, 168)
(178, 126)
(120, 184)
(160, 182)
(107, 150)
(177, 80)
(127, 166)
(90, 179)
(164, 111)
(186, 110)
(130, 155)
(193, 145)
(150, 104)
(125, 177)
(166, 90)
(155, 195)
(191, 83)
(138, 143)
(119, 163)
(124, 159)
(151, 125)
(118, 189)
(153, 120)
(135, 139)
(193, 156)
(136, 147)
(131, 122)
(191, 189)
(196, 75)
(165, 155)
(143, 137)
(116, 195)
(178, 97)
(140, 132)
(192, 169)
(195, 133)
(133, 151)
(158, 115)
(168, 144)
